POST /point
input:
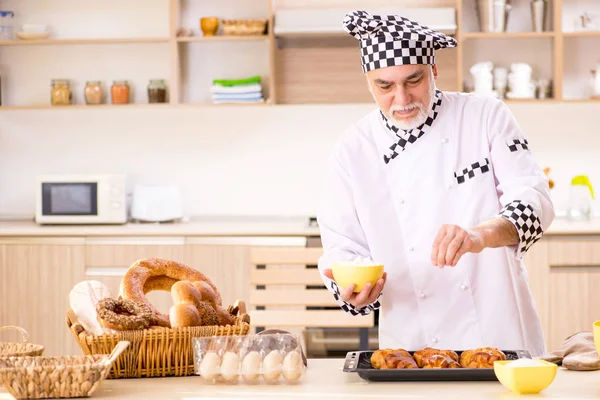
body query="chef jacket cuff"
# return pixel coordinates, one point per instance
(527, 222)
(349, 308)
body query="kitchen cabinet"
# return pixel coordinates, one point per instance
(36, 276)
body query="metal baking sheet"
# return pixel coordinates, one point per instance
(360, 362)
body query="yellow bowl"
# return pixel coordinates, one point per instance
(347, 273)
(525, 380)
(596, 332)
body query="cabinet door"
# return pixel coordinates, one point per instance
(574, 286)
(36, 276)
(107, 260)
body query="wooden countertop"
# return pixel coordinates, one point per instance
(325, 379)
(227, 227)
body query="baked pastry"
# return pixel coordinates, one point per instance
(184, 315)
(482, 357)
(438, 361)
(430, 351)
(124, 315)
(134, 282)
(207, 293)
(392, 359)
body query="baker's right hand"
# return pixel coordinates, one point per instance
(365, 297)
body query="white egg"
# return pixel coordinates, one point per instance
(293, 366)
(251, 366)
(272, 365)
(230, 366)
(209, 368)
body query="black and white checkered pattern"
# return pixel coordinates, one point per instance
(406, 137)
(349, 308)
(472, 170)
(526, 221)
(388, 40)
(518, 145)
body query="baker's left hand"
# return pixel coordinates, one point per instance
(452, 242)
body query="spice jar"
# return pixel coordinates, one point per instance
(120, 92)
(93, 92)
(61, 92)
(157, 91)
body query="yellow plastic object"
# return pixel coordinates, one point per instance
(347, 273)
(597, 335)
(525, 380)
(585, 181)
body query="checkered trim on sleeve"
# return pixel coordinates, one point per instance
(408, 137)
(388, 40)
(526, 221)
(518, 145)
(472, 170)
(349, 308)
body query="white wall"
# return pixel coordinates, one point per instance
(239, 160)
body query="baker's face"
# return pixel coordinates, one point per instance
(404, 93)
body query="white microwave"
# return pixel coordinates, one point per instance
(81, 199)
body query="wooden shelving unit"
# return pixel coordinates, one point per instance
(310, 68)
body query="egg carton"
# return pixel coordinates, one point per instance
(250, 359)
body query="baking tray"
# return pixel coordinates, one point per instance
(360, 362)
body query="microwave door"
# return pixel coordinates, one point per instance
(70, 199)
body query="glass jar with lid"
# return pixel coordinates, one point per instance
(157, 91)
(61, 92)
(119, 92)
(93, 92)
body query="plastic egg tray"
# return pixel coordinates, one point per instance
(252, 359)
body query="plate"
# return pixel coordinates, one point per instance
(33, 35)
(360, 362)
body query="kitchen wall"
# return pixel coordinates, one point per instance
(240, 160)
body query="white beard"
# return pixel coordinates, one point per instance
(421, 117)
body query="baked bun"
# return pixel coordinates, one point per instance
(184, 315)
(208, 315)
(207, 293)
(430, 351)
(482, 357)
(184, 292)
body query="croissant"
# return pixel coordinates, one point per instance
(378, 358)
(483, 357)
(398, 360)
(429, 351)
(439, 361)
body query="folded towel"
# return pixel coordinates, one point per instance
(237, 82)
(577, 353)
(239, 96)
(229, 100)
(236, 89)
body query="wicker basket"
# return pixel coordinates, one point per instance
(155, 352)
(8, 349)
(244, 27)
(56, 377)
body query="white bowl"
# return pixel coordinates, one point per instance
(35, 28)
(32, 35)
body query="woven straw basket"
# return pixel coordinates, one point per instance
(56, 377)
(155, 352)
(8, 349)
(244, 27)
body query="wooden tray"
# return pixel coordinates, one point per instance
(360, 362)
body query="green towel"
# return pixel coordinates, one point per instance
(237, 82)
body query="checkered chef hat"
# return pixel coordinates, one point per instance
(388, 40)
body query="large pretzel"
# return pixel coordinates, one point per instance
(160, 274)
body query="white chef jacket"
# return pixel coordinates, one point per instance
(468, 164)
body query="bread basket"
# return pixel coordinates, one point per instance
(244, 27)
(158, 351)
(8, 349)
(56, 377)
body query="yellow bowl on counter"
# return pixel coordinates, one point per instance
(525, 379)
(348, 273)
(596, 332)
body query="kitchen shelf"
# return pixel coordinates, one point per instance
(83, 106)
(223, 38)
(509, 101)
(581, 34)
(506, 35)
(44, 42)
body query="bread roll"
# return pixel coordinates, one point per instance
(207, 293)
(184, 292)
(225, 318)
(208, 315)
(183, 315)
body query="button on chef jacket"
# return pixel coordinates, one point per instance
(388, 192)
